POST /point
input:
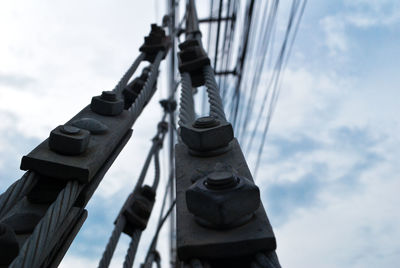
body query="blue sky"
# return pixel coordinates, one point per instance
(329, 178)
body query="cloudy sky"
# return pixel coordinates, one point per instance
(329, 175)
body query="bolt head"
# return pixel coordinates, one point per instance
(221, 180)
(107, 104)
(68, 141)
(207, 138)
(109, 96)
(206, 122)
(70, 130)
(222, 207)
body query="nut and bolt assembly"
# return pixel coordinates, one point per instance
(107, 104)
(69, 140)
(222, 199)
(207, 136)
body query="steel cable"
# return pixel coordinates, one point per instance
(128, 74)
(149, 259)
(31, 254)
(148, 89)
(112, 242)
(156, 170)
(121, 221)
(214, 98)
(186, 109)
(16, 192)
(131, 252)
(268, 260)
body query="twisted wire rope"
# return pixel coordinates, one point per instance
(147, 90)
(121, 221)
(186, 109)
(30, 256)
(214, 98)
(131, 252)
(268, 260)
(156, 169)
(16, 192)
(128, 74)
(112, 242)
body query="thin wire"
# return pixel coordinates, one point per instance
(128, 74)
(228, 57)
(262, 55)
(155, 237)
(112, 242)
(218, 30)
(121, 221)
(241, 61)
(276, 87)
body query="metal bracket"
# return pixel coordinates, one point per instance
(196, 241)
(84, 166)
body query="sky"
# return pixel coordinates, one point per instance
(329, 175)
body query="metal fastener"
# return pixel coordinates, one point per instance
(69, 140)
(206, 122)
(221, 180)
(107, 103)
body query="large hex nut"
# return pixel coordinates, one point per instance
(192, 58)
(207, 139)
(107, 104)
(137, 213)
(69, 140)
(153, 43)
(223, 207)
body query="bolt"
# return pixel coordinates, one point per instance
(206, 122)
(188, 54)
(70, 130)
(109, 96)
(148, 192)
(221, 180)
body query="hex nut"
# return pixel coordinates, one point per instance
(107, 104)
(224, 207)
(207, 139)
(69, 140)
(192, 58)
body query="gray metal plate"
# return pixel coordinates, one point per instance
(82, 167)
(195, 241)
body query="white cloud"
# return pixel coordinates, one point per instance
(335, 36)
(351, 230)
(323, 115)
(369, 13)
